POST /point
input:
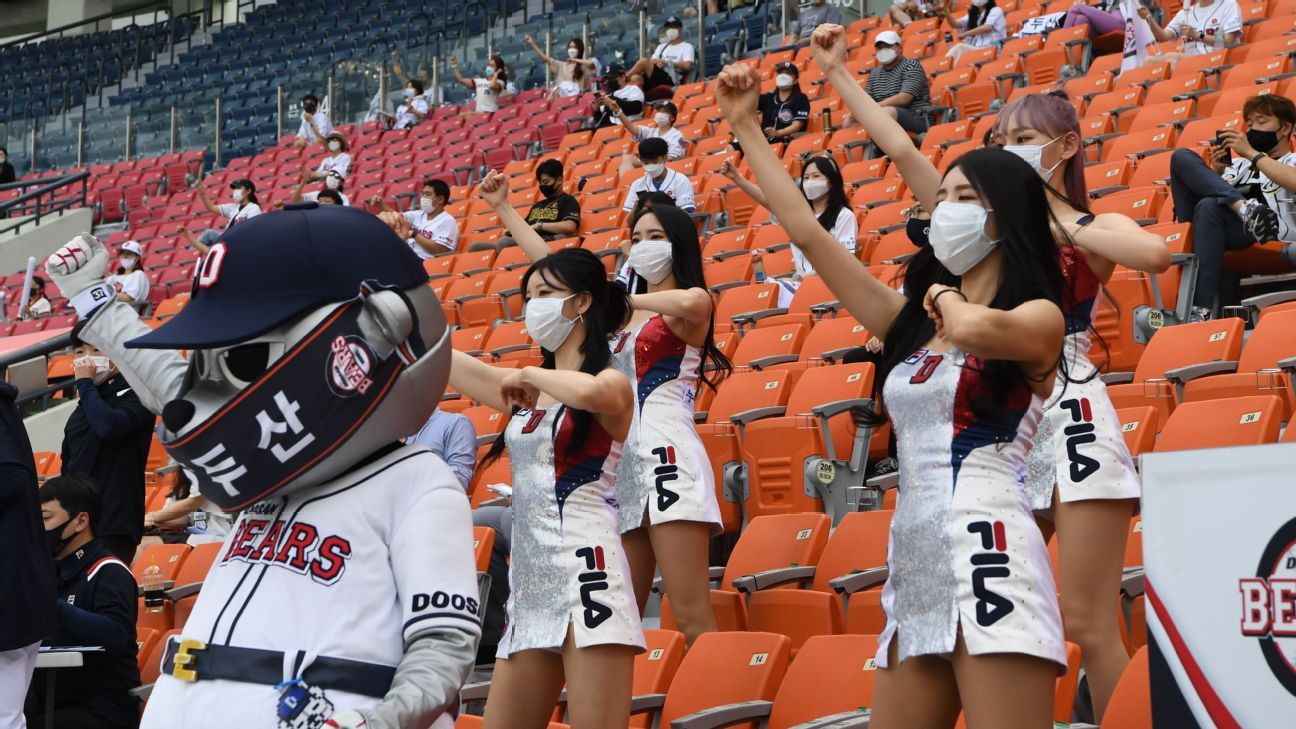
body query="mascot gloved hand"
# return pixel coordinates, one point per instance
(345, 594)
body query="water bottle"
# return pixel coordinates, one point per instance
(758, 266)
(153, 587)
(827, 120)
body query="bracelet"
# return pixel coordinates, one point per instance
(942, 293)
(1255, 161)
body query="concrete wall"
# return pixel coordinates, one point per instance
(46, 429)
(41, 240)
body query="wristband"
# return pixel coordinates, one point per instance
(1255, 161)
(89, 299)
(942, 293)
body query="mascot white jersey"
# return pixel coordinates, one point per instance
(346, 594)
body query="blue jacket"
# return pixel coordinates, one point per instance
(26, 569)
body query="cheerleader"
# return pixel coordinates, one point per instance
(571, 610)
(969, 355)
(666, 346)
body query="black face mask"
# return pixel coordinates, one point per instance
(1262, 141)
(918, 229)
(548, 190)
(57, 541)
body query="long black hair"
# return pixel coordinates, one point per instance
(686, 265)
(975, 16)
(1030, 268)
(836, 190)
(578, 73)
(580, 272)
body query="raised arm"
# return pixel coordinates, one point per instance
(692, 305)
(1030, 334)
(478, 380)
(607, 395)
(1161, 34)
(829, 43)
(870, 301)
(206, 201)
(198, 245)
(454, 66)
(495, 191)
(535, 47)
(730, 171)
(1117, 240)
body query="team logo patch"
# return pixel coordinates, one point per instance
(593, 580)
(350, 362)
(992, 564)
(1269, 605)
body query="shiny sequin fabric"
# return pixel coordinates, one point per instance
(1079, 446)
(964, 551)
(664, 469)
(567, 566)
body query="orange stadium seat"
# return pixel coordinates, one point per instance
(726, 668)
(1155, 382)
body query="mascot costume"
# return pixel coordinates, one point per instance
(345, 595)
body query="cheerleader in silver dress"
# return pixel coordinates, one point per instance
(972, 616)
(572, 616)
(665, 485)
(1081, 472)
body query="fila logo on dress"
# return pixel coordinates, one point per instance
(665, 473)
(593, 580)
(991, 564)
(1079, 433)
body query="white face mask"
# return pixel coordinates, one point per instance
(814, 189)
(335, 145)
(980, 3)
(572, 53)
(784, 81)
(546, 324)
(654, 169)
(237, 194)
(332, 183)
(409, 93)
(663, 119)
(102, 365)
(886, 55)
(427, 204)
(1034, 156)
(958, 236)
(651, 259)
(672, 34)
(128, 263)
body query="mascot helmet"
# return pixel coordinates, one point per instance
(314, 342)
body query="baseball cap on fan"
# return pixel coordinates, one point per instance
(273, 268)
(887, 37)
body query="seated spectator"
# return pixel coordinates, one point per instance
(984, 25)
(96, 606)
(187, 518)
(315, 124)
(244, 206)
(670, 63)
(333, 183)
(330, 197)
(1243, 197)
(904, 12)
(816, 14)
(1199, 25)
(415, 107)
(556, 215)
(898, 84)
(451, 436)
(572, 73)
(1105, 17)
(621, 92)
(664, 118)
(338, 159)
(488, 88)
(7, 172)
(430, 230)
(785, 111)
(37, 304)
(659, 178)
(131, 282)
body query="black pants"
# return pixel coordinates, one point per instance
(122, 548)
(72, 718)
(499, 518)
(1202, 197)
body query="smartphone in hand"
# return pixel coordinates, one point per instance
(1219, 142)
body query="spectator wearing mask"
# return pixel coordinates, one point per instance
(623, 93)
(664, 115)
(130, 281)
(571, 74)
(816, 14)
(904, 12)
(898, 84)
(26, 580)
(1200, 26)
(488, 88)
(245, 206)
(107, 439)
(187, 517)
(984, 25)
(97, 604)
(338, 159)
(37, 304)
(7, 171)
(414, 108)
(333, 183)
(430, 230)
(659, 178)
(556, 215)
(785, 111)
(670, 63)
(1243, 197)
(315, 124)
(451, 436)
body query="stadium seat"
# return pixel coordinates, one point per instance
(724, 668)
(1157, 381)
(1235, 421)
(655, 668)
(1139, 426)
(1266, 366)
(168, 558)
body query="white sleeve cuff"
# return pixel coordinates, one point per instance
(88, 300)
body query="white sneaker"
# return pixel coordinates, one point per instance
(1199, 314)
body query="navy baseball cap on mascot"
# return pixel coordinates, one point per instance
(314, 341)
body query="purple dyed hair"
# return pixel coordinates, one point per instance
(1054, 114)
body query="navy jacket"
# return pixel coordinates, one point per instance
(26, 570)
(107, 438)
(97, 605)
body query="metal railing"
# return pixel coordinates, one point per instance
(40, 198)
